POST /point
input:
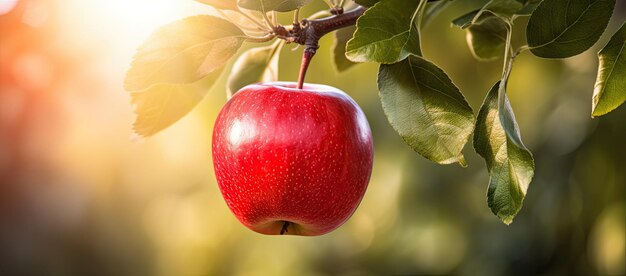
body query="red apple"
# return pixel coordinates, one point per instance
(292, 161)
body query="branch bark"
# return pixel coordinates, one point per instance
(309, 32)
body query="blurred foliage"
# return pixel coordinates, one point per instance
(78, 197)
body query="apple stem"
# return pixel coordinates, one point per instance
(284, 229)
(308, 33)
(308, 54)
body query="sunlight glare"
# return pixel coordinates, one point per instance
(121, 23)
(6, 6)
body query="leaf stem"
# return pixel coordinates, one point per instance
(260, 39)
(296, 16)
(520, 50)
(267, 20)
(419, 13)
(320, 14)
(417, 16)
(506, 70)
(330, 4)
(508, 56)
(253, 20)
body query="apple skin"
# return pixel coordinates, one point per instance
(301, 156)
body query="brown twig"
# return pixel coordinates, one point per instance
(309, 32)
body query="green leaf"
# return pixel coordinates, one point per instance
(465, 20)
(565, 28)
(529, 8)
(221, 4)
(610, 88)
(504, 8)
(510, 164)
(176, 66)
(486, 35)
(386, 33)
(272, 5)
(184, 52)
(426, 109)
(255, 65)
(487, 38)
(367, 3)
(161, 105)
(339, 48)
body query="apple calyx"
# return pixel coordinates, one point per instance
(285, 228)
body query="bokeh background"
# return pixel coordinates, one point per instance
(79, 196)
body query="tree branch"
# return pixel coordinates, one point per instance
(309, 32)
(342, 19)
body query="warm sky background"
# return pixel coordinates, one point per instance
(80, 195)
